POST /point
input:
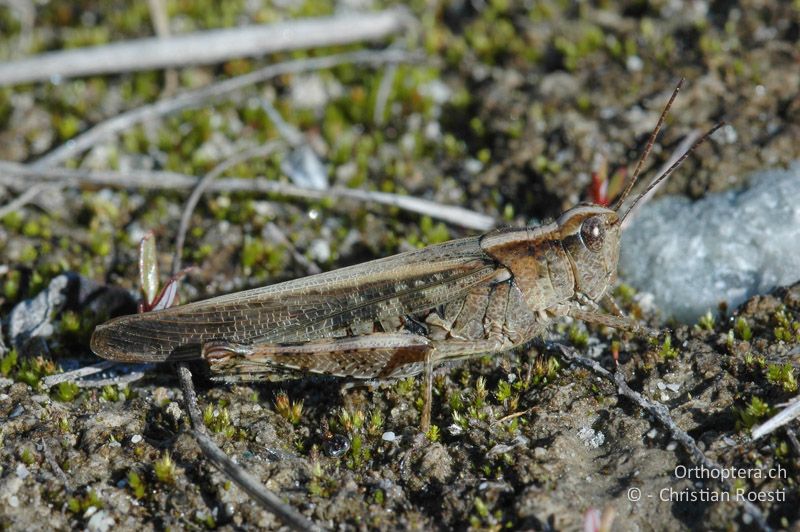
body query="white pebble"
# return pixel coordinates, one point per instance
(22, 471)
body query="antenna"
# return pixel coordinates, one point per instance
(671, 169)
(648, 148)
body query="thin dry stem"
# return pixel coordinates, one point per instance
(268, 500)
(20, 176)
(202, 187)
(207, 47)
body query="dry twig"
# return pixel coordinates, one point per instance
(783, 417)
(20, 176)
(206, 47)
(123, 121)
(268, 500)
(57, 471)
(204, 95)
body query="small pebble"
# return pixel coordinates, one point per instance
(22, 471)
(13, 501)
(652, 434)
(18, 411)
(136, 438)
(388, 436)
(100, 522)
(634, 63)
(173, 410)
(592, 438)
(160, 396)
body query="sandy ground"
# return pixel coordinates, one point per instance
(508, 114)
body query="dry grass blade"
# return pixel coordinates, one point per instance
(206, 47)
(783, 417)
(20, 176)
(123, 121)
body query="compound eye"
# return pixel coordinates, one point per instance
(593, 232)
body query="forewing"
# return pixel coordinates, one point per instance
(314, 307)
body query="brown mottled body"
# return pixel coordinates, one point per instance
(400, 315)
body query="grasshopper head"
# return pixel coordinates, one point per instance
(590, 235)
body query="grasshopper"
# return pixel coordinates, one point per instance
(402, 315)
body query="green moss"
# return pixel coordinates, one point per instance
(137, 484)
(480, 508)
(110, 394)
(706, 322)
(11, 285)
(32, 370)
(742, 329)
(666, 351)
(216, 419)
(70, 322)
(578, 336)
(782, 375)
(165, 469)
(67, 126)
(13, 221)
(544, 370)
(27, 457)
(405, 386)
(79, 504)
(67, 391)
(786, 330)
(504, 391)
(753, 412)
(479, 396)
(375, 424)
(8, 363)
(101, 243)
(29, 254)
(433, 232)
(290, 411)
